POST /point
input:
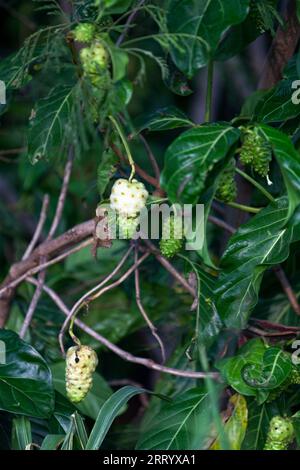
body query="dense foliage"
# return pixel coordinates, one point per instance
(128, 103)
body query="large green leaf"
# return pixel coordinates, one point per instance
(163, 119)
(196, 27)
(250, 354)
(99, 392)
(49, 124)
(192, 156)
(288, 159)
(21, 433)
(181, 425)
(108, 413)
(262, 242)
(259, 418)
(274, 369)
(277, 105)
(25, 379)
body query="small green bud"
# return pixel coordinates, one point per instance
(84, 32)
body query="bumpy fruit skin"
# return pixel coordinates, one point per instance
(256, 151)
(127, 226)
(94, 61)
(128, 198)
(81, 362)
(227, 189)
(172, 240)
(280, 434)
(84, 32)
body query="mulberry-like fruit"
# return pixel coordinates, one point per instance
(81, 362)
(128, 198)
(280, 434)
(94, 61)
(172, 237)
(84, 32)
(256, 151)
(227, 188)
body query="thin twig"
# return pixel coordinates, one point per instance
(43, 266)
(142, 173)
(120, 352)
(39, 228)
(144, 314)
(222, 224)
(63, 194)
(33, 304)
(96, 292)
(128, 23)
(56, 220)
(169, 267)
(151, 157)
(287, 288)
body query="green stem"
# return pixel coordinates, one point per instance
(210, 385)
(209, 90)
(242, 207)
(126, 146)
(256, 184)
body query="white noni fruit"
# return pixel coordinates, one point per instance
(128, 198)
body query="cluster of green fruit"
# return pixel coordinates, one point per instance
(280, 435)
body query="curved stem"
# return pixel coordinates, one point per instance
(242, 207)
(126, 146)
(256, 184)
(209, 89)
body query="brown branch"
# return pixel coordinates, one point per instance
(129, 22)
(282, 49)
(55, 223)
(120, 352)
(144, 314)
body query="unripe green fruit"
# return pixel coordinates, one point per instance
(227, 189)
(280, 434)
(172, 240)
(84, 32)
(127, 226)
(256, 151)
(81, 362)
(128, 198)
(94, 61)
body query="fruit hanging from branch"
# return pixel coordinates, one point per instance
(81, 362)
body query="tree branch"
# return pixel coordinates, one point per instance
(120, 352)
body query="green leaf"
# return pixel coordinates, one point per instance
(49, 124)
(108, 413)
(262, 242)
(163, 119)
(105, 170)
(288, 159)
(192, 156)
(197, 27)
(251, 354)
(52, 441)
(115, 6)
(277, 105)
(237, 38)
(181, 425)
(25, 379)
(259, 418)
(120, 61)
(99, 392)
(274, 369)
(235, 427)
(21, 433)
